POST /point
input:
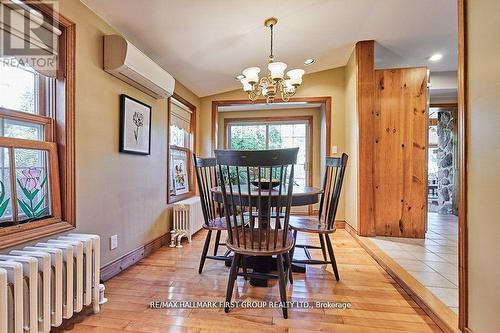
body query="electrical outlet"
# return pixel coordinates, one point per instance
(114, 242)
(334, 150)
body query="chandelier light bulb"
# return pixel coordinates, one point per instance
(277, 70)
(289, 86)
(295, 76)
(247, 87)
(252, 74)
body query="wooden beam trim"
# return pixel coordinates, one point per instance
(326, 101)
(365, 101)
(462, 114)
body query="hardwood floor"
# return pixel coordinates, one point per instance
(378, 304)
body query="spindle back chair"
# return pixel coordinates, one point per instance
(258, 184)
(324, 223)
(213, 212)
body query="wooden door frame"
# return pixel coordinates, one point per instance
(462, 114)
(326, 104)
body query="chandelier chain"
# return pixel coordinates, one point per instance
(271, 56)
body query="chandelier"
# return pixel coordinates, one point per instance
(275, 82)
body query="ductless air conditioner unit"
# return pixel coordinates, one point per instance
(125, 61)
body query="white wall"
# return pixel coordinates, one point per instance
(483, 184)
(350, 187)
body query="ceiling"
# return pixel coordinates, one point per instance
(205, 43)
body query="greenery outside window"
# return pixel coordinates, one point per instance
(273, 134)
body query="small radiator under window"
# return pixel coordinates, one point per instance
(188, 218)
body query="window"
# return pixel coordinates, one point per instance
(180, 184)
(28, 164)
(36, 128)
(273, 134)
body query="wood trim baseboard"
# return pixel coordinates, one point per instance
(339, 224)
(439, 312)
(350, 229)
(120, 264)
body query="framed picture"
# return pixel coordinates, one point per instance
(135, 126)
(179, 180)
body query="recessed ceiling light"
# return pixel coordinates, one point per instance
(436, 57)
(239, 77)
(309, 61)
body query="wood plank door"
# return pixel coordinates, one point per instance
(400, 155)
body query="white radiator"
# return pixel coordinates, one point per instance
(45, 283)
(15, 308)
(3, 300)
(188, 217)
(44, 277)
(30, 290)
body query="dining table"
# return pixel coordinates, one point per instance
(301, 196)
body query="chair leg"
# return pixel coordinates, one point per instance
(244, 266)
(332, 257)
(289, 267)
(217, 241)
(323, 248)
(282, 285)
(205, 251)
(293, 248)
(233, 273)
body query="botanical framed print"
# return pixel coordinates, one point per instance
(179, 171)
(135, 126)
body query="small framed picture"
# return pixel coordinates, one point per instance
(179, 171)
(135, 126)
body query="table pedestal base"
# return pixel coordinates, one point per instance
(265, 265)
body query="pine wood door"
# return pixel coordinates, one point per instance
(400, 155)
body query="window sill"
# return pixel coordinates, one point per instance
(24, 233)
(177, 198)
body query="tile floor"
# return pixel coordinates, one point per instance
(433, 261)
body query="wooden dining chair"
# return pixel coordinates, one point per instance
(323, 224)
(244, 192)
(206, 176)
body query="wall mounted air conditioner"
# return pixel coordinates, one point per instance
(125, 61)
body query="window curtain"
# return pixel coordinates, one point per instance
(26, 30)
(180, 115)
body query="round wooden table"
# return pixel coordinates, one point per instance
(301, 196)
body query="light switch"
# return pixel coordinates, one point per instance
(334, 150)
(114, 242)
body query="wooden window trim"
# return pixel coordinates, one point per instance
(62, 132)
(192, 129)
(45, 121)
(51, 147)
(326, 105)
